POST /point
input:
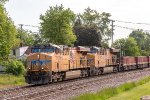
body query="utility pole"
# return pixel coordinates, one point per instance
(21, 29)
(112, 31)
(21, 25)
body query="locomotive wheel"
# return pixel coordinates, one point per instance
(122, 69)
(101, 71)
(53, 81)
(140, 67)
(93, 71)
(63, 75)
(87, 74)
(83, 73)
(61, 78)
(115, 69)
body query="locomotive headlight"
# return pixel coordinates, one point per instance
(42, 68)
(29, 68)
(38, 56)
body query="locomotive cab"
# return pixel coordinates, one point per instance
(39, 64)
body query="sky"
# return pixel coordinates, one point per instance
(28, 12)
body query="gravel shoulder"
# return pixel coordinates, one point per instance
(69, 89)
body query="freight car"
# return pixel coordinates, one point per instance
(129, 62)
(53, 63)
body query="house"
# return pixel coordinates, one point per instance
(19, 52)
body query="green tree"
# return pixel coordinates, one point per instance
(90, 17)
(38, 39)
(3, 1)
(146, 51)
(131, 48)
(93, 18)
(98, 24)
(119, 43)
(87, 36)
(128, 47)
(26, 37)
(143, 41)
(56, 25)
(8, 34)
(139, 36)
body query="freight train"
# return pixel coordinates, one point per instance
(54, 63)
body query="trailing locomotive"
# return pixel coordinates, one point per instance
(52, 63)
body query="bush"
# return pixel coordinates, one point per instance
(14, 67)
(4, 63)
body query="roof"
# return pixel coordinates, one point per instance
(81, 48)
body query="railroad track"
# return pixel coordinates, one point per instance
(71, 88)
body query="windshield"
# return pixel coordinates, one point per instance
(34, 50)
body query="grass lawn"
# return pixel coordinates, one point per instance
(133, 94)
(127, 91)
(7, 80)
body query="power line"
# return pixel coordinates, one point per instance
(132, 22)
(131, 28)
(125, 27)
(29, 25)
(21, 27)
(31, 31)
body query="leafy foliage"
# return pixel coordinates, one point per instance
(14, 67)
(128, 46)
(8, 34)
(131, 48)
(139, 36)
(143, 41)
(119, 43)
(28, 38)
(38, 39)
(56, 25)
(90, 17)
(138, 44)
(94, 24)
(87, 36)
(3, 1)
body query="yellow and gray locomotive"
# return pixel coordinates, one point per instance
(52, 63)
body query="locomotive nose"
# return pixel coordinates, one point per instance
(38, 69)
(39, 62)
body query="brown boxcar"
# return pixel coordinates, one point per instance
(142, 61)
(128, 62)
